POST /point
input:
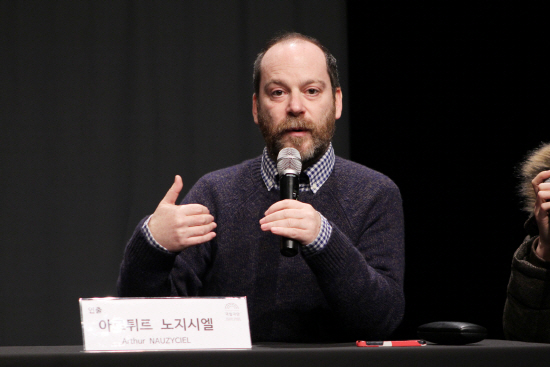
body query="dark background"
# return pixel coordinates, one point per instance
(447, 100)
(102, 103)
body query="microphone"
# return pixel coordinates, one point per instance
(289, 166)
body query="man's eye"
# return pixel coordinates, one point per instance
(277, 93)
(312, 91)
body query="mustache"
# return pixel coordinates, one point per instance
(293, 123)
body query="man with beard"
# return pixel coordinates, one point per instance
(346, 284)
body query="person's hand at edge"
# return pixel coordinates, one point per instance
(542, 207)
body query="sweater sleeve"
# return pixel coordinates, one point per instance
(527, 308)
(150, 271)
(145, 269)
(362, 278)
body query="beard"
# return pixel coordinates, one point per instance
(311, 147)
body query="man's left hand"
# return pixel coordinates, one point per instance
(292, 219)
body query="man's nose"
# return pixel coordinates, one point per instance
(295, 105)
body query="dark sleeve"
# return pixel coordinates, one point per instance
(527, 308)
(362, 279)
(147, 271)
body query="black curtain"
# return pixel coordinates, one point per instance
(101, 104)
(452, 95)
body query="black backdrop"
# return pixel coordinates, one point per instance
(102, 103)
(447, 100)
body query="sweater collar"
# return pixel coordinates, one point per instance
(310, 180)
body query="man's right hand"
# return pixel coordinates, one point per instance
(176, 227)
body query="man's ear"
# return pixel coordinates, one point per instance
(255, 108)
(338, 103)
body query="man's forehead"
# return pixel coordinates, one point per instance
(294, 54)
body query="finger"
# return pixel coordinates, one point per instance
(197, 220)
(284, 214)
(287, 223)
(544, 195)
(194, 209)
(292, 233)
(174, 191)
(197, 231)
(540, 178)
(284, 204)
(197, 240)
(545, 207)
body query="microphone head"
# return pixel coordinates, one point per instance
(289, 161)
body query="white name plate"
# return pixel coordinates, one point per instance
(123, 324)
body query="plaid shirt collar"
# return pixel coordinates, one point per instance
(317, 174)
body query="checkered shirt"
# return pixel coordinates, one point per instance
(316, 174)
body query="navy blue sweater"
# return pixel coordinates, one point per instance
(352, 289)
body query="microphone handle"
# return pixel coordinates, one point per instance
(289, 190)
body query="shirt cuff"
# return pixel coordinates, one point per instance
(149, 236)
(322, 238)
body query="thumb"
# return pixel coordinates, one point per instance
(174, 191)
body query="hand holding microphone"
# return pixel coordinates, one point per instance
(289, 166)
(297, 222)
